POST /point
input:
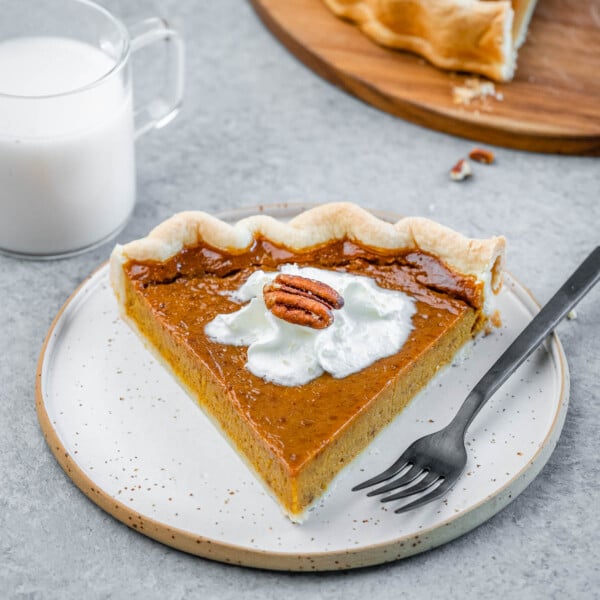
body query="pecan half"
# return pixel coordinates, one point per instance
(302, 301)
(482, 155)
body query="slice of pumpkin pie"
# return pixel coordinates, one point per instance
(302, 340)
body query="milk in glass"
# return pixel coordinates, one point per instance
(67, 177)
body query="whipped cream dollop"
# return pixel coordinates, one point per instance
(372, 324)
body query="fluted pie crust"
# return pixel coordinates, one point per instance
(476, 36)
(172, 282)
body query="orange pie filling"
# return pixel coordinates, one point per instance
(297, 438)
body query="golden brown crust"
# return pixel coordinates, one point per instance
(482, 259)
(461, 35)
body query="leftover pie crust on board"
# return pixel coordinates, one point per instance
(551, 105)
(476, 36)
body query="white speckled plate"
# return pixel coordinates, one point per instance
(134, 442)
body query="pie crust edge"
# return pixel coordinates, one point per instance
(480, 258)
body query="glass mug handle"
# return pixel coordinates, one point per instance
(160, 111)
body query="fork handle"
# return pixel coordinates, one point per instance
(575, 288)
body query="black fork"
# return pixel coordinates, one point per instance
(437, 460)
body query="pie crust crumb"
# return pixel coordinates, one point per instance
(474, 89)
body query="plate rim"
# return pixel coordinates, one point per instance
(368, 555)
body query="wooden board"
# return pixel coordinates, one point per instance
(552, 105)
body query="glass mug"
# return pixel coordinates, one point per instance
(67, 122)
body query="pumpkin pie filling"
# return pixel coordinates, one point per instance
(297, 438)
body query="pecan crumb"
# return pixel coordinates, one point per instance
(461, 170)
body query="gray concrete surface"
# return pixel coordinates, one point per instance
(258, 127)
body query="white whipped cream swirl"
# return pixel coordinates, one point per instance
(373, 323)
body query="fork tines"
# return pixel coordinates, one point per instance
(438, 492)
(394, 469)
(411, 472)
